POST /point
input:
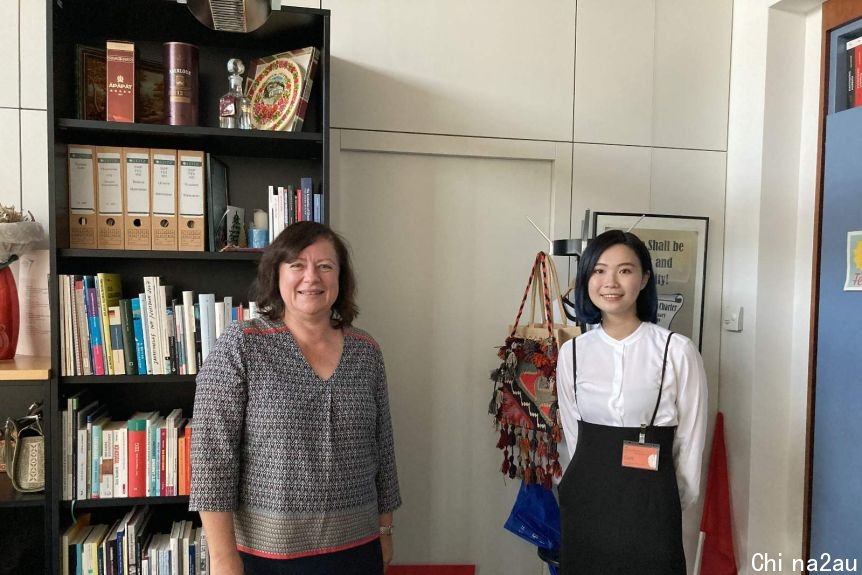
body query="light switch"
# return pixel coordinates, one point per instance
(733, 319)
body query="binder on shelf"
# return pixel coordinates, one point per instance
(217, 200)
(82, 196)
(138, 232)
(191, 201)
(109, 191)
(164, 199)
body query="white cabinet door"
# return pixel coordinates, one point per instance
(9, 96)
(33, 26)
(614, 72)
(609, 179)
(442, 250)
(10, 157)
(498, 68)
(692, 73)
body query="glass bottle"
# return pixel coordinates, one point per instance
(235, 107)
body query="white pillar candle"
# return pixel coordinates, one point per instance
(260, 220)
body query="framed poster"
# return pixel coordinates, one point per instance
(677, 245)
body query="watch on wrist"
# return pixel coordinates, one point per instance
(386, 529)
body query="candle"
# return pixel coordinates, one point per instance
(260, 220)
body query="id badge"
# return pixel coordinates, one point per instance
(640, 455)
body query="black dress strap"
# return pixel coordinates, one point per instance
(575, 372)
(661, 381)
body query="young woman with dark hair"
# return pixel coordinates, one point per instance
(293, 461)
(633, 403)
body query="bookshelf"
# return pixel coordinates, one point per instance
(23, 380)
(256, 159)
(831, 524)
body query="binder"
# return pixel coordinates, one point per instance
(82, 196)
(163, 201)
(191, 201)
(109, 191)
(138, 232)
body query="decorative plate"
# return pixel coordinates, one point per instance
(275, 94)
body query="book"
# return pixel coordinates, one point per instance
(854, 94)
(110, 290)
(189, 331)
(208, 327)
(127, 326)
(74, 534)
(138, 425)
(217, 200)
(140, 340)
(94, 325)
(307, 187)
(857, 70)
(120, 77)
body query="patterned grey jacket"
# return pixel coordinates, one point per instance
(306, 465)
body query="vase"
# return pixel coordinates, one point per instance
(9, 316)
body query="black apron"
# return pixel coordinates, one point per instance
(617, 520)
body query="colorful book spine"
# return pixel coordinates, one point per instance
(138, 327)
(858, 71)
(127, 325)
(307, 199)
(94, 325)
(137, 457)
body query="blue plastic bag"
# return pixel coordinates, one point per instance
(535, 517)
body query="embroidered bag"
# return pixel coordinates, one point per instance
(25, 451)
(524, 399)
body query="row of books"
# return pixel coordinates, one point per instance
(130, 546)
(136, 198)
(147, 455)
(155, 333)
(288, 205)
(854, 73)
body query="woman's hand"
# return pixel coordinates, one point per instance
(388, 549)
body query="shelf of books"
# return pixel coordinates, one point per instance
(161, 208)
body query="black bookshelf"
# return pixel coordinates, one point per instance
(255, 159)
(113, 502)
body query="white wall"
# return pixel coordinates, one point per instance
(23, 114)
(770, 195)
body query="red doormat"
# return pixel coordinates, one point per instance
(431, 570)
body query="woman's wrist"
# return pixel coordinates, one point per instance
(386, 530)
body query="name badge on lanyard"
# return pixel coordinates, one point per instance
(639, 454)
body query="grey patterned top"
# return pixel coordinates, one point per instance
(306, 465)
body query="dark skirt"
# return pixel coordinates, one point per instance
(617, 520)
(365, 559)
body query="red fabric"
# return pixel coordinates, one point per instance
(431, 570)
(718, 556)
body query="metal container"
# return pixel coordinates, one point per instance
(181, 84)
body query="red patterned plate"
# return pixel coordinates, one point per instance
(275, 94)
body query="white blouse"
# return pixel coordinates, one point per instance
(618, 385)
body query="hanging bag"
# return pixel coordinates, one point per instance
(25, 451)
(524, 399)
